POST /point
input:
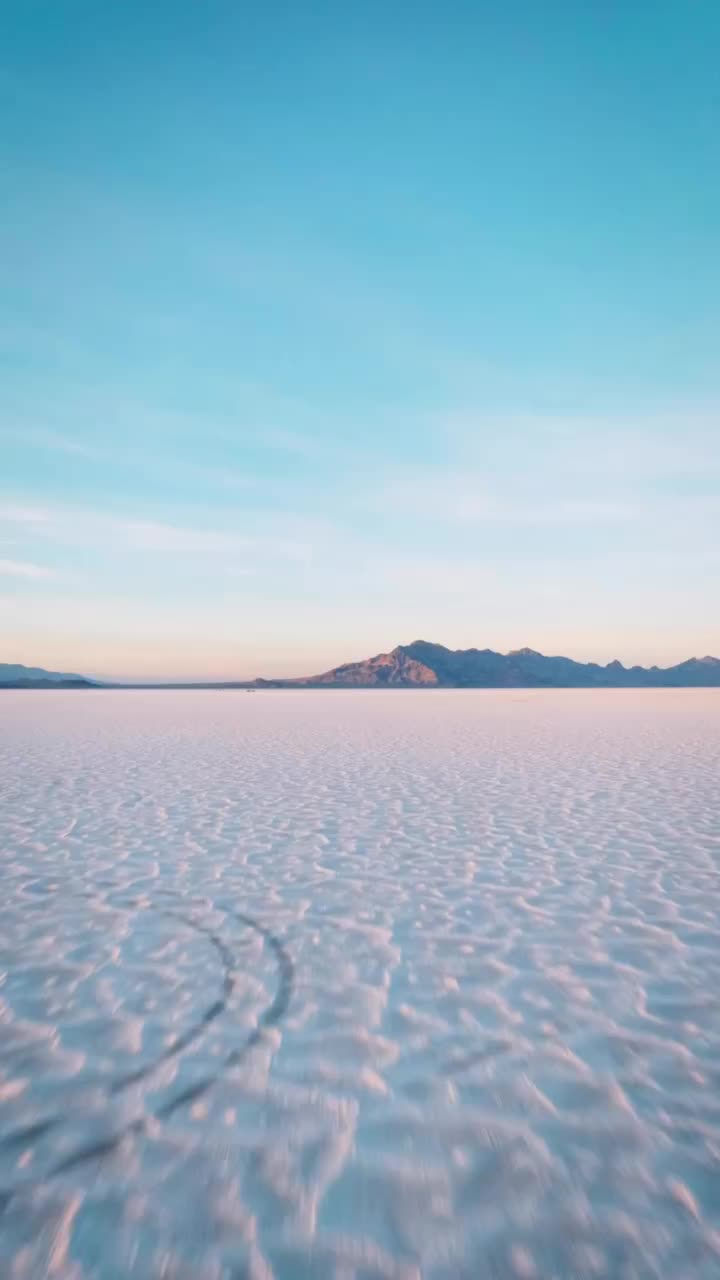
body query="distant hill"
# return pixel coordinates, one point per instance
(425, 665)
(16, 676)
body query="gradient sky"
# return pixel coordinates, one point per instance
(327, 327)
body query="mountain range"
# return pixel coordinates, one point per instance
(425, 665)
(422, 665)
(13, 675)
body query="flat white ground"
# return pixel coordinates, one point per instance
(496, 1053)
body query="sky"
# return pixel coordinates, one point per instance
(324, 328)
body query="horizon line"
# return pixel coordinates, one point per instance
(192, 681)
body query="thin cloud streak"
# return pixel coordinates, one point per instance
(460, 499)
(23, 569)
(149, 454)
(12, 513)
(79, 526)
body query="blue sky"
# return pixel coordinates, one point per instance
(327, 327)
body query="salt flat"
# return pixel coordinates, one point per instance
(360, 985)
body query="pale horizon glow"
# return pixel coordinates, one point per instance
(316, 341)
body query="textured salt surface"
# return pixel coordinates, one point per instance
(360, 985)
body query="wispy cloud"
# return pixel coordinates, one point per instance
(17, 513)
(79, 526)
(549, 511)
(626, 447)
(141, 444)
(149, 535)
(22, 569)
(44, 438)
(463, 499)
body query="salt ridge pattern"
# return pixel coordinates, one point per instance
(495, 976)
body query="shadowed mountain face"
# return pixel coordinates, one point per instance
(13, 675)
(401, 667)
(422, 664)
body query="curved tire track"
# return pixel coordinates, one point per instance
(271, 1016)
